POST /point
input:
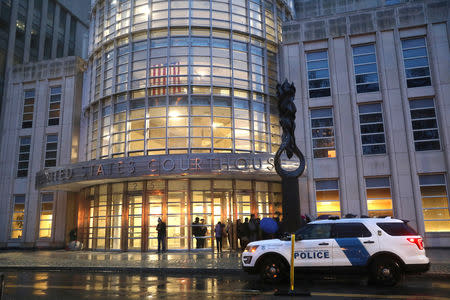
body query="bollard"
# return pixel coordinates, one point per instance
(291, 291)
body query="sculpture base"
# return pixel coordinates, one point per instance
(292, 219)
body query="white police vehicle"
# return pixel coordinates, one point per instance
(384, 248)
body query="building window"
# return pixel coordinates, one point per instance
(46, 216)
(327, 198)
(416, 62)
(28, 109)
(318, 75)
(434, 203)
(24, 156)
(54, 106)
(17, 221)
(372, 129)
(379, 200)
(365, 63)
(424, 124)
(323, 133)
(51, 148)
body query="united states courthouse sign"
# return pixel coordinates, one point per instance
(160, 165)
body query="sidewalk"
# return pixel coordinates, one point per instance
(204, 262)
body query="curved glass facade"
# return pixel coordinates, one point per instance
(183, 77)
(179, 77)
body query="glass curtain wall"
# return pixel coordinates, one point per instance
(184, 77)
(124, 216)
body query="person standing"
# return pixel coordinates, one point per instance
(229, 231)
(162, 233)
(245, 234)
(219, 233)
(202, 232)
(196, 231)
(253, 227)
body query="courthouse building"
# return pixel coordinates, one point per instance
(173, 115)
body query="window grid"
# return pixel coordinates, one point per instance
(372, 129)
(435, 206)
(24, 156)
(28, 109)
(322, 131)
(46, 216)
(415, 58)
(17, 219)
(318, 74)
(54, 106)
(379, 200)
(184, 58)
(365, 64)
(424, 124)
(51, 149)
(327, 197)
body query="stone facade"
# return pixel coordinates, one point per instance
(40, 78)
(338, 28)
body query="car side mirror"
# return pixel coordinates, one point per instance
(298, 237)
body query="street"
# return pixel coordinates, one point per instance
(84, 285)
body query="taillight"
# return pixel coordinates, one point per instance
(417, 241)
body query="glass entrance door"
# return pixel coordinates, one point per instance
(201, 204)
(134, 222)
(177, 225)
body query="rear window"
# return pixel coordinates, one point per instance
(397, 229)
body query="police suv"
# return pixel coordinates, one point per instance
(384, 248)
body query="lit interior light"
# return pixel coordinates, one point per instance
(174, 114)
(147, 10)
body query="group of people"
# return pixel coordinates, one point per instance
(247, 231)
(250, 230)
(199, 230)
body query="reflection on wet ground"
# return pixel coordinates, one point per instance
(70, 285)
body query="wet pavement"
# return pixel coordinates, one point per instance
(172, 262)
(69, 285)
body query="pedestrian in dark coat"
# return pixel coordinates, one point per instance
(253, 227)
(162, 233)
(245, 234)
(196, 231)
(219, 234)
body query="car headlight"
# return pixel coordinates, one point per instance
(251, 249)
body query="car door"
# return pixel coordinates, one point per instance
(313, 246)
(353, 244)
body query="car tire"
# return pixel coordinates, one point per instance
(272, 270)
(386, 272)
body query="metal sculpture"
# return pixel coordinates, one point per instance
(291, 200)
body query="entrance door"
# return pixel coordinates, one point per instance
(177, 221)
(134, 221)
(222, 208)
(201, 209)
(155, 211)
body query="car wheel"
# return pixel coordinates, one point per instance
(272, 270)
(386, 271)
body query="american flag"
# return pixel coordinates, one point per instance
(159, 78)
